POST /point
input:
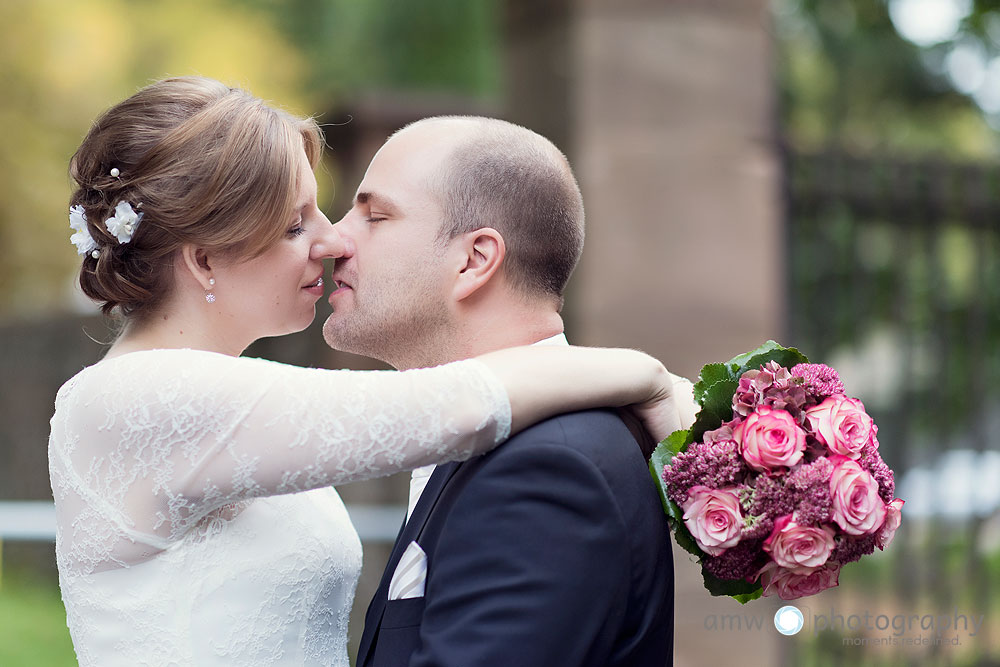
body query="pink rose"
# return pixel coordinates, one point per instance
(857, 508)
(842, 424)
(713, 517)
(790, 585)
(770, 438)
(799, 549)
(893, 517)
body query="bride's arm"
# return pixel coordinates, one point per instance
(176, 434)
(544, 381)
(313, 427)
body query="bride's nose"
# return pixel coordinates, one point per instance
(332, 244)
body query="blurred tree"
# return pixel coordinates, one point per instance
(62, 63)
(434, 45)
(883, 76)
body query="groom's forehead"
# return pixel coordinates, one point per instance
(411, 154)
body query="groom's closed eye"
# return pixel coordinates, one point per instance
(376, 201)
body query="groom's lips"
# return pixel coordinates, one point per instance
(339, 287)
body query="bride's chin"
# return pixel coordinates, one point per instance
(294, 324)
(304, 323)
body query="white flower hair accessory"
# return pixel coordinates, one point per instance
(82, 239)
(124, 222)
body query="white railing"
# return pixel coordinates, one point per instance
(35, 521)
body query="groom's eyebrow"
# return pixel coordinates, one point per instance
(377, 200)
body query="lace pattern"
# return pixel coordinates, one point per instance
(181, 533)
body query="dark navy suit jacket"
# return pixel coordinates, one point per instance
(552, 550)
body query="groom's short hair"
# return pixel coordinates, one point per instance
(505, 176)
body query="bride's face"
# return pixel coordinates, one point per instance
(276, 292)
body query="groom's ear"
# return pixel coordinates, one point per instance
(481, 254)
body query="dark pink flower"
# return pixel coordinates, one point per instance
(873, 463)
(819, 380)
(851, 548)
(716, 465)
(739, 562)
(809, 484)
(772, 386)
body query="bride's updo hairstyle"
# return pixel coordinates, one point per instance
(204, 164)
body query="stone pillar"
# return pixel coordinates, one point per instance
(665, 108)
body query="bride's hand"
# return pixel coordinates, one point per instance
(670, 408)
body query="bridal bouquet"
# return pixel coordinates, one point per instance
(778, 483)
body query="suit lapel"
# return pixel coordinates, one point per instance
(410, 531)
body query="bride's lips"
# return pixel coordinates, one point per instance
(315, 287)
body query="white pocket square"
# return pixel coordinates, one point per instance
(411, 574)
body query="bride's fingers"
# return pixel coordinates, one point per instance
(684, 400)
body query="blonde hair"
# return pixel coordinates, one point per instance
(206, 164)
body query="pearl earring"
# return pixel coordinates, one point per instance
(210, 297)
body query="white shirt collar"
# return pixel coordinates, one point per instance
(558, 339)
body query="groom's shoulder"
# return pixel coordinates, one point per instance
(598, 436)
(577, 427)
(591, 449)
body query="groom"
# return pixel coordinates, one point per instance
(553, 549)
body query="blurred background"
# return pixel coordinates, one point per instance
(820, 172)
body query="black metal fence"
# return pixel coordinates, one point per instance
(894, 277)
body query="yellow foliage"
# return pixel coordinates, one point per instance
(63, 62)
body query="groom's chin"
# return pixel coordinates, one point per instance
(331, 334)
(337, 336)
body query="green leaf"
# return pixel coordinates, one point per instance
(676, 443)
(716, 408)
(710, 374)
(718, 382)
(672, 445)
(741, 360)
(743, 598)
(769, 351)
(683, 537)
(743, 591)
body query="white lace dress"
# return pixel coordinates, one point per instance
(196, 523)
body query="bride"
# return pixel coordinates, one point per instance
(197, 523)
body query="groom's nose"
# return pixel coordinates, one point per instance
(346, 230)
(342, 226)
(333, 244)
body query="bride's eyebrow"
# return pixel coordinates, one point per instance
(373, 199)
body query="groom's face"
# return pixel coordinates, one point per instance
(392, 297)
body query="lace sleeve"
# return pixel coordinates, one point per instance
(156, 440)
